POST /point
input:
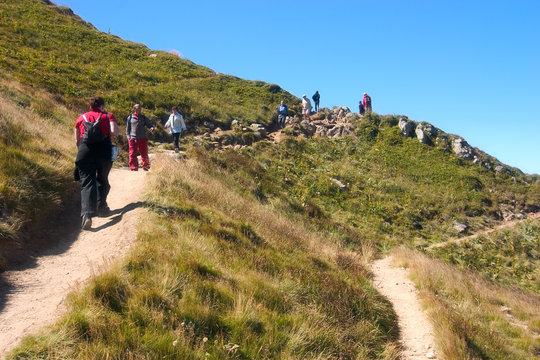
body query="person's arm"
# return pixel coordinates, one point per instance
(148, 123)
(182, 122)
(77, 136)
(115, 130)
(128, 126)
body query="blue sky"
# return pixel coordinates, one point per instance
(470, 68)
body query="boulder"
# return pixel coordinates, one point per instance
(307, 128)
(407, 127)
(258, 128)
(421, 136)
(342, 187)
(463, 149)
(460, 228)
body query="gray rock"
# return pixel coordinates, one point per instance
(308, 128)
(463, 149)
(342, 187)
(421, 136)
(459, 227)
(258, 128)
(407, 127)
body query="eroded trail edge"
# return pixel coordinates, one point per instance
(415, 328)
(33, 297)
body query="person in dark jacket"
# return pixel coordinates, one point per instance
(316, 97)
(136, 125)
(282, 111)
(94, 161)
(361, 108)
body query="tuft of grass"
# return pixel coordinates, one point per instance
(475, 318)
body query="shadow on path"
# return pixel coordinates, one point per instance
(58, 236)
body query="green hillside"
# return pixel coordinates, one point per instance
(48, 47)
(257, 253)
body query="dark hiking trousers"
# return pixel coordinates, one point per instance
(176, 136)
(94, 164)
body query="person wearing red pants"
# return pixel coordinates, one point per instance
(136, 125)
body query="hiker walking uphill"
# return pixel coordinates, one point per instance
(176, 125)
(93, 132)
(316, 97)
(282, 111)
(136, 125)
(306, 107)
(367, 102)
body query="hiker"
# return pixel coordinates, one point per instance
(306, 107)
(136, 125)
(176, 125)
(93, 132)
(316, 97)
(361, 109)
(282, 111)
(367, 102)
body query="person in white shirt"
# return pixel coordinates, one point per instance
(306, 107)
(176, 125)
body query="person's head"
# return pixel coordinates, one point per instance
(137, 109)
(97, 103)
(282, 102)
(304, 95)
(365, 94)
(174, 109)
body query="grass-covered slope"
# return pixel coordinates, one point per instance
(219, 274)
(36, 162)
(46, 46)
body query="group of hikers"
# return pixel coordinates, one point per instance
(95, 156)
(364, 106)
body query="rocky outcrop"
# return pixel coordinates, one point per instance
(463, 149)
(406, 126)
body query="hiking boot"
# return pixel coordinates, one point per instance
(86, 222)
(104, 211)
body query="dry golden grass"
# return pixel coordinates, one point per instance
(474, 318)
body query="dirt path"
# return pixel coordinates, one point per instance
(503, 225)
(32, 294)
(416, 330)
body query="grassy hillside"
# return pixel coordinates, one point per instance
(46, 46)
(36, 165)
(257, 253)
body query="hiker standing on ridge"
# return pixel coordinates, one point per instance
(282, 111)
(367, 102)
(306, 107)
(316, 97)
(176, 125)
(361, 109)
(93, 132)
(136, 125)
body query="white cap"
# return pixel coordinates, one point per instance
(304, 95)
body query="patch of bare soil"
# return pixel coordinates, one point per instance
(32, 292)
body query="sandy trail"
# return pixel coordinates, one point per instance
(415, 328)
(503, 225)
(32, 294)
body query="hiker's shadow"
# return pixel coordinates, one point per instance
(56, 239)
(118, 214)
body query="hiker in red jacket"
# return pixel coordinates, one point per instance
(367, 102)
(94, 159)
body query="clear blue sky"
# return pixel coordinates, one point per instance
(469, 67)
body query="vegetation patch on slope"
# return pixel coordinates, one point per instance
(217, 273)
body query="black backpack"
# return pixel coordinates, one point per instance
(92, 130)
